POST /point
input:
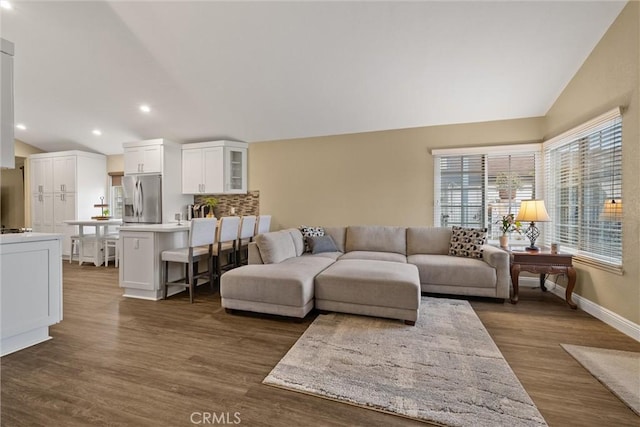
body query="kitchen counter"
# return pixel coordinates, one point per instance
(156, 228)
(28, 237)
(141, 246)
(31, 288)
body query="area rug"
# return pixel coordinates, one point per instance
(445, 370)
(617, 370)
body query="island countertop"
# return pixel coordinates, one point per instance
(157, 228)
(28, 237)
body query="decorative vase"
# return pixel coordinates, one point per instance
(504, 241)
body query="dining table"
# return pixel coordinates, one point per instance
(101, 227)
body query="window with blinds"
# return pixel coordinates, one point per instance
(461, 191)
(583, 191)
(478, 189)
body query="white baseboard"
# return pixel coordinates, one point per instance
(612, 319)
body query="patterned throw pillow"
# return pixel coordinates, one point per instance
(467, 242)
(310, 232)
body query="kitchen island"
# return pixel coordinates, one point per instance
(30, 288)
(141, 274)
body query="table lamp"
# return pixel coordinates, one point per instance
(532, 211)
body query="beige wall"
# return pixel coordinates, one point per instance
(368, 178)
(609, 78)
(115, 163)
(12, 196)
(24, 150)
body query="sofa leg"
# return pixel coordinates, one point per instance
(410, 322)
(229, 311)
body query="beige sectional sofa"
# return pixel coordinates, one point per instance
(376, 270)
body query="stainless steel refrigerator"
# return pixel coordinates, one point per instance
(142, 199)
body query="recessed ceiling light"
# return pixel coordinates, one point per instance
(96, 132)
(6, 5)
(145, 108)
(21, 126)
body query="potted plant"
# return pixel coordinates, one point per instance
(508, 183)
(508, 224)
(211, 202)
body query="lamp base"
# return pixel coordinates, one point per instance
(532, 248)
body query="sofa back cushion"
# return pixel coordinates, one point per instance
(338, 234)
(376, 238)
(428, 240)
(276, 246)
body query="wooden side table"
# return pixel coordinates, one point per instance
(542, 262)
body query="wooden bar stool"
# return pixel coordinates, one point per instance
(202, 234)
(227, 239)
(247, 231)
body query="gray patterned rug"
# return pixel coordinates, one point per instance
(618, 370)
(446, 369)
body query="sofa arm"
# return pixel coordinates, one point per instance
(499, 259)
(254, 254)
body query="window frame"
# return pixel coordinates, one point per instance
(580, 137)
(486, 151)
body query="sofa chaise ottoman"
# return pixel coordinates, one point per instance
(370, 287)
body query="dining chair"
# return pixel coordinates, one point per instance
(226, 246)
(77, 246)
(202, 235)
(247, 231)
(111, 241)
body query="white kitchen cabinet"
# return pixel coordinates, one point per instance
(64, 174)
(64, 208)
(235, 170)
(216, 167)
(64, 186)
(42, 212)
(199, 176)
(143, 159)
(7, 143)
(141, 272)
(53, 173)
(31, 289)
(41, 174)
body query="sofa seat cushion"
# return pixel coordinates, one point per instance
(331, 255)
(288, 283)
(455, 271)
(378, 256)
(368, 282)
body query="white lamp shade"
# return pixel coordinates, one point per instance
(532, 211)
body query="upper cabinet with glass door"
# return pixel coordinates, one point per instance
(215, 167)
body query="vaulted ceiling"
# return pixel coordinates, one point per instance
(256, 71)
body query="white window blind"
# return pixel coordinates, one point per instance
(583, 191)
(461, 191)
(478, 189)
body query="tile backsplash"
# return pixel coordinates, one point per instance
(244, 204)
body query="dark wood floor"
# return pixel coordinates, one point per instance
(124, 362)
